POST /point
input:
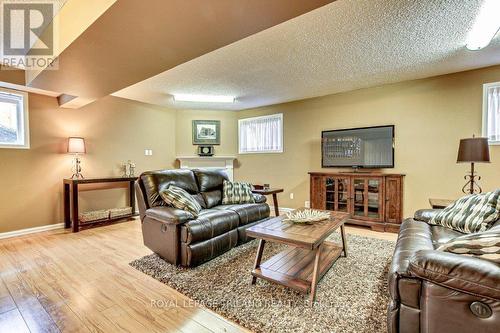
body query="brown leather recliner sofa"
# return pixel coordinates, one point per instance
(438, 292)
(179, 238)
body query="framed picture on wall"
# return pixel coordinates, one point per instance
(206, 132)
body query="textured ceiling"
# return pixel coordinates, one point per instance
(342, 46)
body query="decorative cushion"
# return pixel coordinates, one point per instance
(176, 197)
(236, 193)
(484, 245)
(472, 213)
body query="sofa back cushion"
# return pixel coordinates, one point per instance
(212, 198)
(209, 180)
(471, 213)
(210, 183)
(155, 181)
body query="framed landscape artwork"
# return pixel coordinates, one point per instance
(206, 132)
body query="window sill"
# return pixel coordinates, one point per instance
(2, 146)
(260, 152)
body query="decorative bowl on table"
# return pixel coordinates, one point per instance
(307, 216)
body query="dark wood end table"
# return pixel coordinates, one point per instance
(308, 257)
(70, 189)
(270, 191)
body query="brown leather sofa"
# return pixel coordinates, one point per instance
(175, 234)
(437, 292)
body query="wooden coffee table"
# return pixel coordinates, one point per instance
(308, 256)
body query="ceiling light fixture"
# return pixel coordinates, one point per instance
(203, 98)
(486, 26)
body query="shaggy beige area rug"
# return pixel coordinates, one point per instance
(351, 297)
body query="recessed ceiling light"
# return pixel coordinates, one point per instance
(486, 26)
(203, 98)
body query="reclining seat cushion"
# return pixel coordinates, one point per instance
(209, 224)
(155, 181)
(247, 213)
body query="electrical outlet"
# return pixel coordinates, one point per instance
(291, 195)
(307, 204)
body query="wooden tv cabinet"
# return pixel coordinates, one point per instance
(373, 199)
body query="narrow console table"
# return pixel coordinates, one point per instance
(71, 199)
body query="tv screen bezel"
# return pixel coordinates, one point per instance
(359, 166)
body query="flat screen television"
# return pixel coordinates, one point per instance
(366, 147)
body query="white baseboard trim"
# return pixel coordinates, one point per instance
(28, 231)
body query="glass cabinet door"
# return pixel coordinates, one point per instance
(337, 194)
(367, 198)
(374, 198)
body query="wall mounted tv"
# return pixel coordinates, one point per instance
(366, 147)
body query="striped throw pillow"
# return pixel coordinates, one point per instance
(484, 245)
(472, 213)
(236, 193)
(177, 197)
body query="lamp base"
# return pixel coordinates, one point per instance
(472, 184)
(77, 176)
(77, 169)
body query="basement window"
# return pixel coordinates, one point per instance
(14, 130)
(261, 134)
(491, 112)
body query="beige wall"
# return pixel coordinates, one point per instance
(229, 131)
(115, 130)
(430, 115)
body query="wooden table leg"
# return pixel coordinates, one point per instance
(275, 203)
(74, 192)
(67, 207)
(258, 259)
(344, 240)
(315, 276)
(132, 196)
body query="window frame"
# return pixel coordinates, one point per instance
(484, 129)
(25, 117)
(274, 115)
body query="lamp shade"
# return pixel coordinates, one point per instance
(76, 145)
(473, 150)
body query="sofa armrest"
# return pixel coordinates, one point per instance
(259, 198)
(169, 215)
(458, 272)
(425, 215)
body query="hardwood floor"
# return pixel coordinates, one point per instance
(62, 282)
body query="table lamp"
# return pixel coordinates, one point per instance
(473, 150)
(76, 146)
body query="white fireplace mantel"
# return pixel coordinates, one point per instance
(208, 162)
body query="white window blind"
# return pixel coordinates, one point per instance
(491, 112)
(13, 119)
(261, 134)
